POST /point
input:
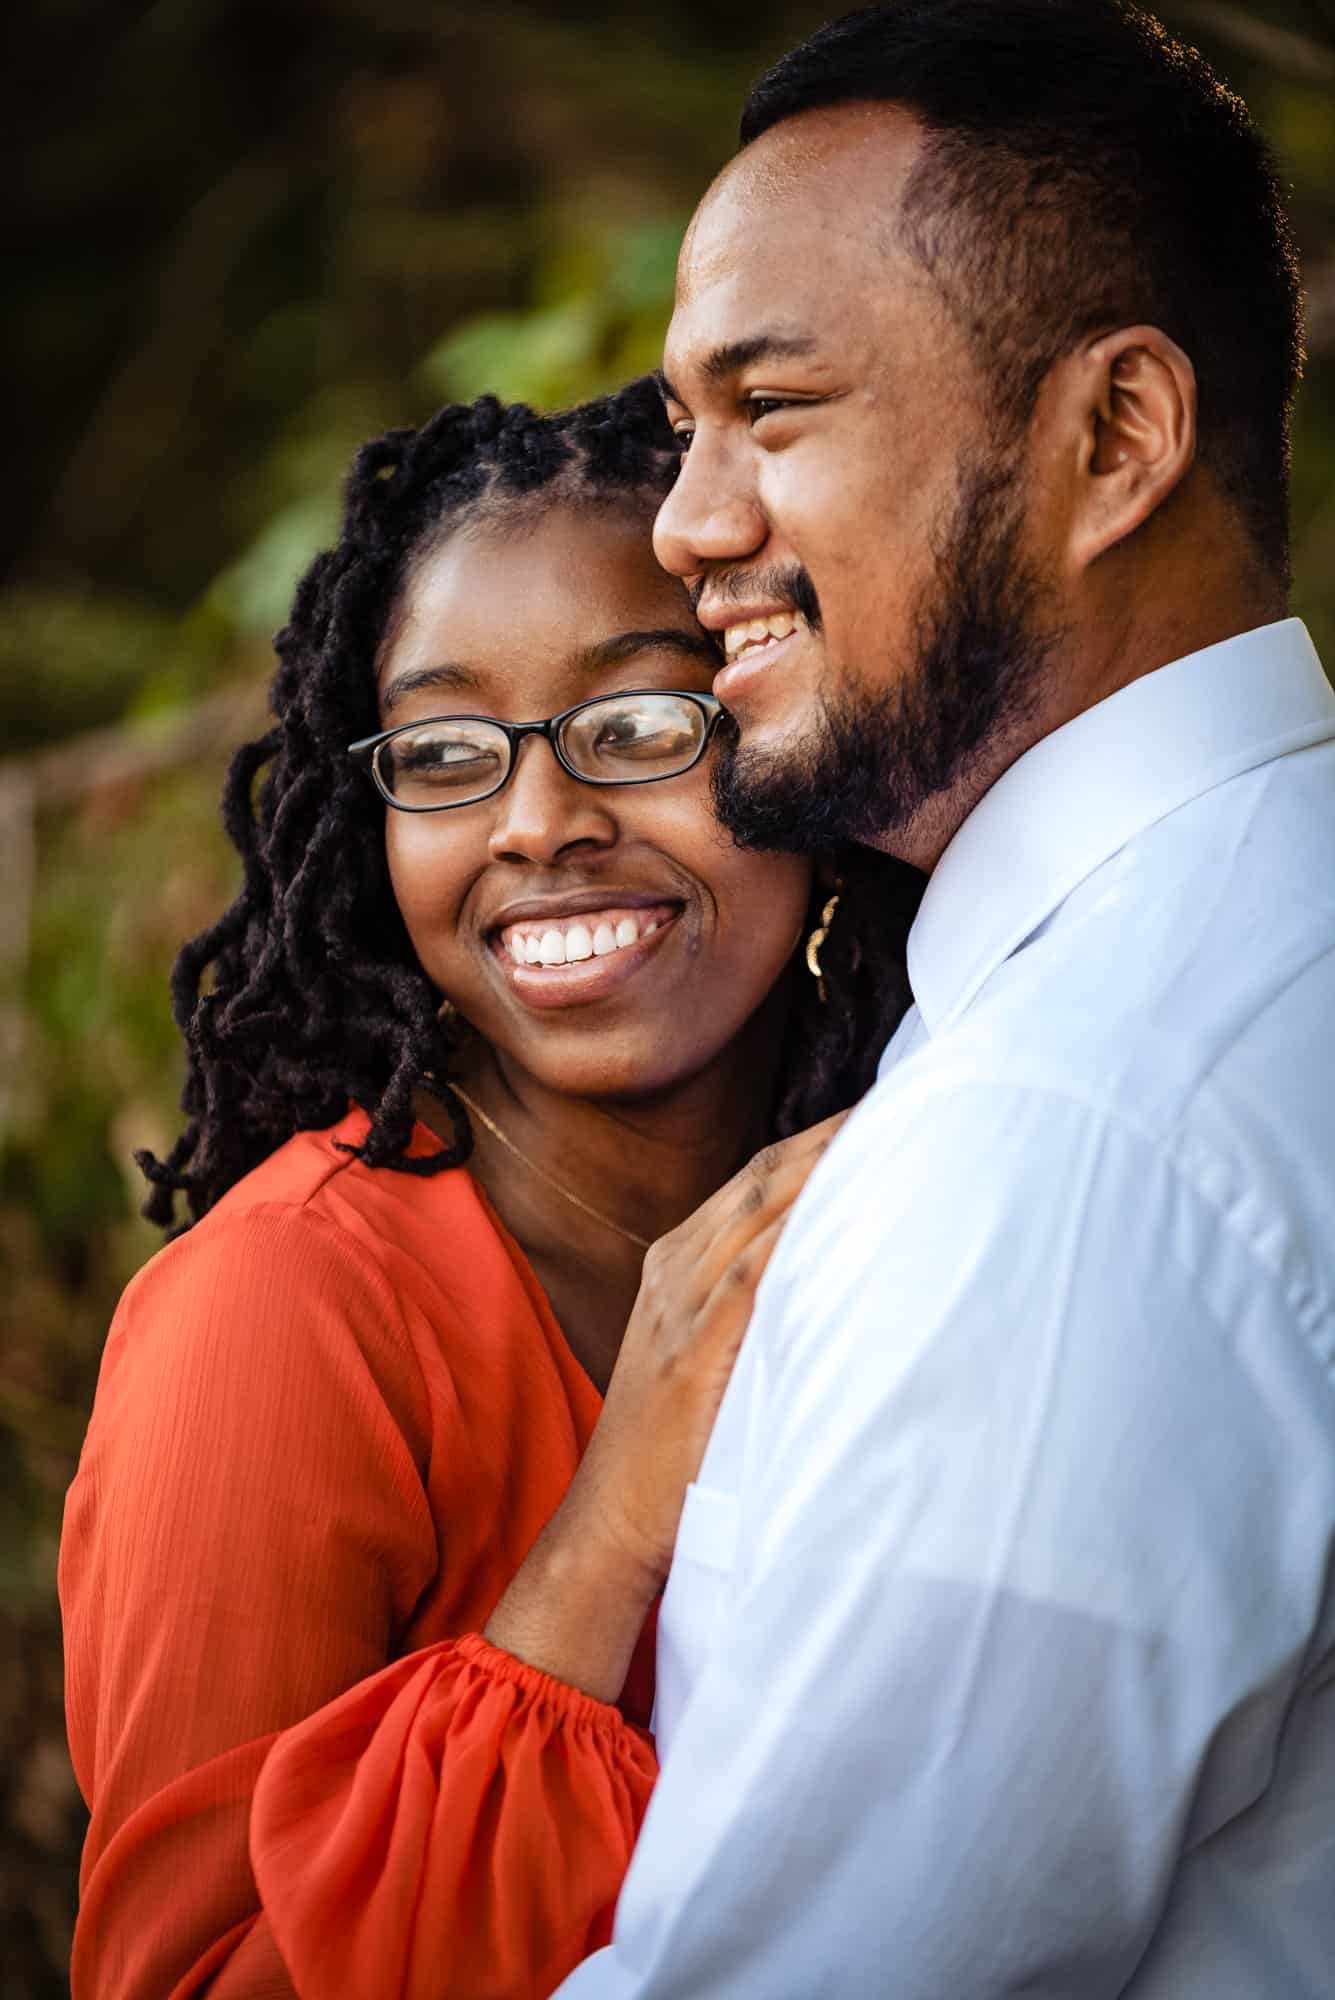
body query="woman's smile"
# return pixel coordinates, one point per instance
(574, 962)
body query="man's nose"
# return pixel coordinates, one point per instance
(711, 515)
(542, 811)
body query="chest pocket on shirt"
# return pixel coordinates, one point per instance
(708, 1531)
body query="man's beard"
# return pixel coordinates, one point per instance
(876, 757)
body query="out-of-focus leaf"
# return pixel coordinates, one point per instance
(541, 357)
(613, 294)
(74, 661)
(256, 591)
(642, 269)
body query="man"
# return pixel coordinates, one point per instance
(998, 1654)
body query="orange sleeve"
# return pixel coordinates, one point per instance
(458, 1825)
(247, 1534)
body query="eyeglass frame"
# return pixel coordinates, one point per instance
(362, 752)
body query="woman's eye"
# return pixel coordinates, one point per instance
(683, 434)
(442, 761)
(435, 755)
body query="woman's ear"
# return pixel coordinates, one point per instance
(1136, 407)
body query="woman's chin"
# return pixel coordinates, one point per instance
(635, 1076)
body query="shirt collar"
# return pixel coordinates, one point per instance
(1069, 803)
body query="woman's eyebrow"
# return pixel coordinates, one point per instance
(596, 659)
(609, 653)
(447, 675)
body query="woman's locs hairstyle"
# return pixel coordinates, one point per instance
(306, 995)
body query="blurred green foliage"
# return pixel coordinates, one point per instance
(250, 234)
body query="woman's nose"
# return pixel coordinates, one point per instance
(542, 811)
(710, 517)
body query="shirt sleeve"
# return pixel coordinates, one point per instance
(247, 1534)
(1031, 1547)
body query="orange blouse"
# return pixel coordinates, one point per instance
(330, 1423)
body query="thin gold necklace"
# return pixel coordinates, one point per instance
(578, 1201)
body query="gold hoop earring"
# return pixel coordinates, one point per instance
(816, 940)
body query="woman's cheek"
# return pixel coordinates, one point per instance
(424, 876)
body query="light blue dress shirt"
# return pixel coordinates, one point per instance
(998, 1655)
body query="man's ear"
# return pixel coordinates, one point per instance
(1136, 394)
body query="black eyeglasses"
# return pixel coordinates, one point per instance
(634, 738)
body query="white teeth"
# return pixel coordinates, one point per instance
(572, 941)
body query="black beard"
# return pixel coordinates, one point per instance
(876, 757)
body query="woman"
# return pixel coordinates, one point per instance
(357, 1562)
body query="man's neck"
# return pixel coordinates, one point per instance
(1091, 664)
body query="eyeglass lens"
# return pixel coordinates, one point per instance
(615, 741)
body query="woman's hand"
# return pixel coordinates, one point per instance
(577, 1605)
(694, 1305)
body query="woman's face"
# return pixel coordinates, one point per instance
(521, 622)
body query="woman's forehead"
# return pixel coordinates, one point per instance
(528, 603)
(524, 613)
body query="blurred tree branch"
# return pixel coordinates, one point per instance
(1320, 287)
(145, 403)
(1292, 54)
(134, 751)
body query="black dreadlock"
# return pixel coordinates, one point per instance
(314, 995)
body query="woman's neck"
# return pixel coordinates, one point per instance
(642, 1165)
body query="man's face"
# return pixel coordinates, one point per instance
(839, 445)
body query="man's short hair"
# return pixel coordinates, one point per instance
(1083, 171)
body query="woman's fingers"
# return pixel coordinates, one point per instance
(727, 1311)
(764, 1189)
(779, 1167)
(699, 1283)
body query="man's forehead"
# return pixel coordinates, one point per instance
(792, 240)
(842, 168)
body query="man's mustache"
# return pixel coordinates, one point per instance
(785, 587)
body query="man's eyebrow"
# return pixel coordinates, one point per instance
(609, 653)
(448, 674)
(770, 344)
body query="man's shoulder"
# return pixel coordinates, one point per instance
(1240, 1050)
(1200, 958)
(1171, 1050)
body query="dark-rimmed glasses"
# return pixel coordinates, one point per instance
(634, 738)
